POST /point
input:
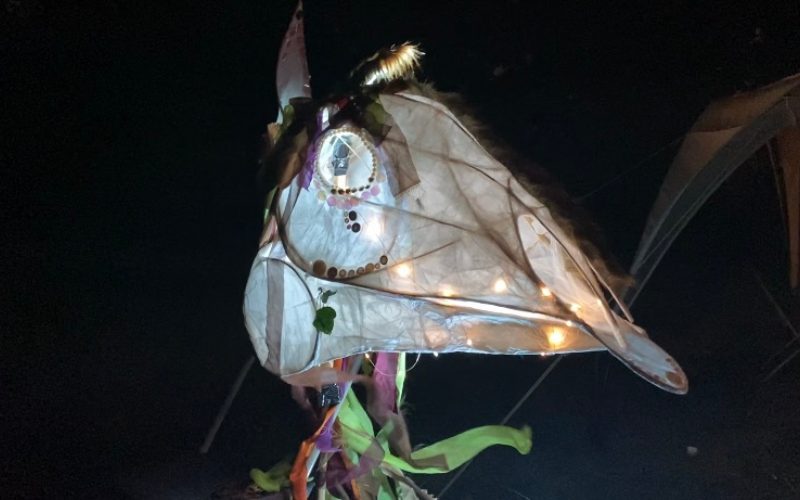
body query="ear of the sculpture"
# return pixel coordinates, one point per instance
(291, 76)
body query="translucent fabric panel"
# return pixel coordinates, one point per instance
(459, 257)
(280, 306)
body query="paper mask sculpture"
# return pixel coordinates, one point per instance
(392, 230)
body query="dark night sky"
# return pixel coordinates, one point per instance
(130, 216)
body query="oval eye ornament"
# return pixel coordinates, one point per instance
(347, 161)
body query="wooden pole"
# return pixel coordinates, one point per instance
(226, 405)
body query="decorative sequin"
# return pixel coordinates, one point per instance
(384, 259)
(318, 267)
(332, 272)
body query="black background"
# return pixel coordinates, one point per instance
(130, 215)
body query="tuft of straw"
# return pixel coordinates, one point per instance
(396, 62)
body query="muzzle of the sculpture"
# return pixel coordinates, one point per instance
(430, 245)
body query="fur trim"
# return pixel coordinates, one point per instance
(574, 219)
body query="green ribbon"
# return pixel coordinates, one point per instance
(438, 458)
(274, 479)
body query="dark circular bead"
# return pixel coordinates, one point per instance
(370, 267)
(356, 227)
(384, 260)
(342, 273)
(332, 272)
(352, 215)
(318, 267)
(360, 270)
(348, 226)
(351, 273)
(341, 191)
(371, 179)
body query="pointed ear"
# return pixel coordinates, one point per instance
(291, 77)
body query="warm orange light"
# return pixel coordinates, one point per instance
(556, 337)
(447, 291)
(403, 270)
(575, 308)
(500, 285)
(546, 292)
(469, 342)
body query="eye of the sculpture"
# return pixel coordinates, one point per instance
(346, 161)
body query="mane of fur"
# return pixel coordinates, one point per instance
(572, 218)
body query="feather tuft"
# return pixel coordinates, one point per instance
(386, 65)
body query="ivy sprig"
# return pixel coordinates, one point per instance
(325, 315)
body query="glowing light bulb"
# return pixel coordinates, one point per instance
(575, 308)
(546, 292)
(500, 285)
(403, 270)
(447, 291)
(556, 337)
(469, 342)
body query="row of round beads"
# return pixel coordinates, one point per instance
(319, 268)
(358, 189)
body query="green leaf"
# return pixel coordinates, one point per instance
(323, 321)
(375, 119)
(288, 117)
(326, 295)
